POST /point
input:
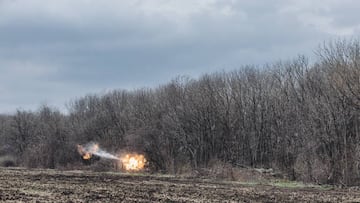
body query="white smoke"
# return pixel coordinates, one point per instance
(94, 148)
(105, 154)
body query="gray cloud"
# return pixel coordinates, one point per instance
(52, 51)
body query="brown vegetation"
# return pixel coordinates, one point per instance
(297, 118)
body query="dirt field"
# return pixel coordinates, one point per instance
(22, 185)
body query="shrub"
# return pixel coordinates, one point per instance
(7, 161)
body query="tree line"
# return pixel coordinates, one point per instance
(300, 118)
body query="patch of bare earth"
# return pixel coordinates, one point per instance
(23, 185)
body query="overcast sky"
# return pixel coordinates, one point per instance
(52, 51)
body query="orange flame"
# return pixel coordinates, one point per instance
(87, 153)
(86, 156)
(133, 162)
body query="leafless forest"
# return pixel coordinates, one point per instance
(298, 117)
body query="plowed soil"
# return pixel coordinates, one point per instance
(23, 185)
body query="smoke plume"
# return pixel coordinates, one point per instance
(92, 148)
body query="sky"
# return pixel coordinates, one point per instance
(54, 51)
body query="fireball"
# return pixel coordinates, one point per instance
(133, 162)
